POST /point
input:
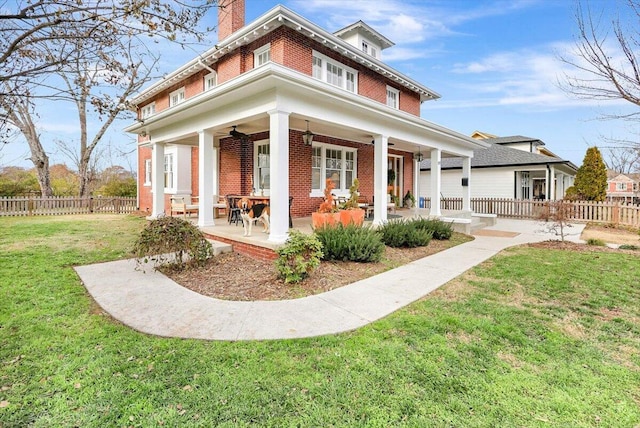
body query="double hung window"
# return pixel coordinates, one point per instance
(334, 72)
(335, 163)
(176, 97)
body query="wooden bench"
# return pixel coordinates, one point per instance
(184, 204)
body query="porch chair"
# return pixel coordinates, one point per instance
(363, 203)
(233, 212)
(219, 203)
(184, 204)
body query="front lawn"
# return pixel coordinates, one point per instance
(532, 337)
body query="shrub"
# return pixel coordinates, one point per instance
(299, 256)
(440, 230)
(350, 243)
(629, 247)
(174, 241)
(596, 242)
(401, 233)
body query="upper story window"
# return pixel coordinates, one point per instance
(210, 81)
(176, 97)
(148, 111)
(365, 46)
(335, 73)
(262, 55)
(393, 97)
(621, 187)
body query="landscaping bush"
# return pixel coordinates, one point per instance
(173, 241)
(299, 256)
(596, 242)
(400, 233)
(439, 229)
(350, 243)
(629, 247)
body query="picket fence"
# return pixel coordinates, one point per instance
(61, 205)
(615, 213)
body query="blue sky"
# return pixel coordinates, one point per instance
(495, 64)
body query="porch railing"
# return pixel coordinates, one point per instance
(61, 205)
(615, 213)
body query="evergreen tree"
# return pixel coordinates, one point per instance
(591, 180)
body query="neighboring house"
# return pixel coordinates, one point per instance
(511, 167)
(623, 187)
(277, 107)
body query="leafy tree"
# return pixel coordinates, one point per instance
(17, 181)
(64, 182)
(116, 181)
(591, 179)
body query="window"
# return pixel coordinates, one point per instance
(334, 73)
(335, 163)
(261, 167)
(525, 180)
(148, 111)
(621, 187)
(147, 172)
(262, 55)
(169, 182)
(365, 47)
(176, 97)
(210, 81)
(374, 53)
(393, 95)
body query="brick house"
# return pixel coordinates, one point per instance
(278, 106)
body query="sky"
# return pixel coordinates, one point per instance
(495, 64)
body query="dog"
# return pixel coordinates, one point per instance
(251, 213)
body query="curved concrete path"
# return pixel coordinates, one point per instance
(152, 303)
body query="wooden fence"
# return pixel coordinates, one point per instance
(60, 205)
(616, 213)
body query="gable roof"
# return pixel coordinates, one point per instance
(497, 155)
(516, 139)
(275, 18)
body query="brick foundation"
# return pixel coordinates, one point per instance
(253, 251)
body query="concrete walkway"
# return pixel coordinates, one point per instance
(152, 303)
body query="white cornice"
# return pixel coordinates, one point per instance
(271, 20)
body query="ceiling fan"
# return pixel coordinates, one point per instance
(238, 134)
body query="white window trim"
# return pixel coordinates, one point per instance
(256, 181)
(174, 157)
(261, 50)
(316, 193)
(397, 93)
(621, 186)
(180, 93)
(148, 110)
(207, 78)
(147, 172)
(326, 60)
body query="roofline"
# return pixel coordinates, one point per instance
(266, 23)
(386, 43)
(560, 161)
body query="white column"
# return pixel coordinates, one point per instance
(216, 167)
(205, 178)
(380, 150)
(279, 172)
(560, 185)
(416, 185)
(466, 190)
(436, 182)
(157, 179)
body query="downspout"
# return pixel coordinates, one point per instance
(548, 182)
(205, 66)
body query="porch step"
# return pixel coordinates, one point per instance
(220, 247)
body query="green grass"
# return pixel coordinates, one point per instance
(532, 337)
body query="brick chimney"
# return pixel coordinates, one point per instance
(230, 17)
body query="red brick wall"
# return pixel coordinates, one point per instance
(145, 202)
(230, 17)
(195, 172)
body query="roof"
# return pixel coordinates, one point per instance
(373, 34)
(516, 139)
(615, 176)
(497, 155)
(482, 135)
(266, 23)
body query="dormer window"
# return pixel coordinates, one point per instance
(176, 97)
(334, 73)
(210, 81)
(393, 97)
(365, 47)
(148, 111)
(262, 55)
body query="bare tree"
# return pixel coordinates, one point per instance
(92, 53)
(624, 159)
(606, 61)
